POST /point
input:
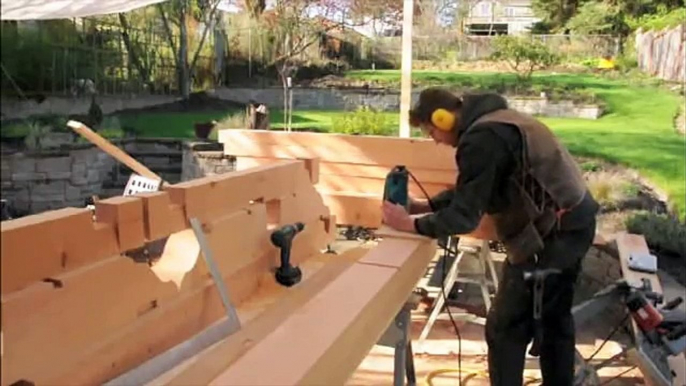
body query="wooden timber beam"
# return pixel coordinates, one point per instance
(99, 313)
(358, 300)
(633, 243)
(415, 153)
(66, 239)
(353, 168)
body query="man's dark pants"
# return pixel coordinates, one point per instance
(510, 324)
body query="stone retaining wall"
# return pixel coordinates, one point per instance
(201, 159)
(12, 108)
(389, 100)
(39, 181)
(36, 181)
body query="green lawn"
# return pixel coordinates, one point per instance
(180, 125)
(637, 132)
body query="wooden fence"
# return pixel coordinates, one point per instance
(662, 53)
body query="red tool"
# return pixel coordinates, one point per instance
(643, 312)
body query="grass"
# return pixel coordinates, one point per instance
(636, 132)
(180, 125)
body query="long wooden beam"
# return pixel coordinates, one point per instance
(101, 313)
(263, 316)
(353, 168)
(358, 298)
(415, 153)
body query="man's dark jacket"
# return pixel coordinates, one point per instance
(485, 160)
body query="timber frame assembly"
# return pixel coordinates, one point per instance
(120, 295)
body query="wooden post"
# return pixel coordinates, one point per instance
(406, 69)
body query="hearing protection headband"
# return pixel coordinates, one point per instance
(443, 119)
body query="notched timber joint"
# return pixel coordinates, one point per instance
(55, 283)
(148, 253)
(23, 382)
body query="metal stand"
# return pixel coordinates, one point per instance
(397, 336)
(482, 253)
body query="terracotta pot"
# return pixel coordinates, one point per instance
(203, 129)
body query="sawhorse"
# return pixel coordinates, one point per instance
(397, 335)
(480, 250)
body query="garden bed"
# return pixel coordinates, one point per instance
(630, 204)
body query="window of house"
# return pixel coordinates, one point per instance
(484, 9)
(510, 12)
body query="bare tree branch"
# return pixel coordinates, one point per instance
(170, 35)
(208, 23)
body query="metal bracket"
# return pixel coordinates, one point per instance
(234, 321)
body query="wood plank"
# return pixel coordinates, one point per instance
(355, 169)
(626, 244)
(358, 306)
(354, 180)
(263, 314)
(112, 150)
(373, 185)
(385, 231)
(45, 245)
(126, 215)
(373, 150)
(352, 208)
(214, 196)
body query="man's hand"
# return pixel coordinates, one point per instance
(396, 217)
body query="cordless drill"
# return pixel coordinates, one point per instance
(396, 186)
(287, 274)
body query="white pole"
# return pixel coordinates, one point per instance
(290, 102)
(406, 70)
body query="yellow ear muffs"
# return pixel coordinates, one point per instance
(443, 119)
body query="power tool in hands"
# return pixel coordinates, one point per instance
(396, 186)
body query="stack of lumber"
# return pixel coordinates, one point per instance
(352, 168)
(77, 310)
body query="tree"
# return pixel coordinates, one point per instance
(598, 18)
(178, 14)
(524, 55)
(255, 8)
(555, 13)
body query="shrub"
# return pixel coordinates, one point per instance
(610, 189)
(524, 55)
(661, 232)
(237, 120)
(364, 121)
(35, 132)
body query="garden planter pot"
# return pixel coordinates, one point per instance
(203, 129)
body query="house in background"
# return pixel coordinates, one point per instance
(500, 17)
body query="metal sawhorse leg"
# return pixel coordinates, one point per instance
(397, 335)
(482, 253)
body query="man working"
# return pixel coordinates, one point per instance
(512, 168)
